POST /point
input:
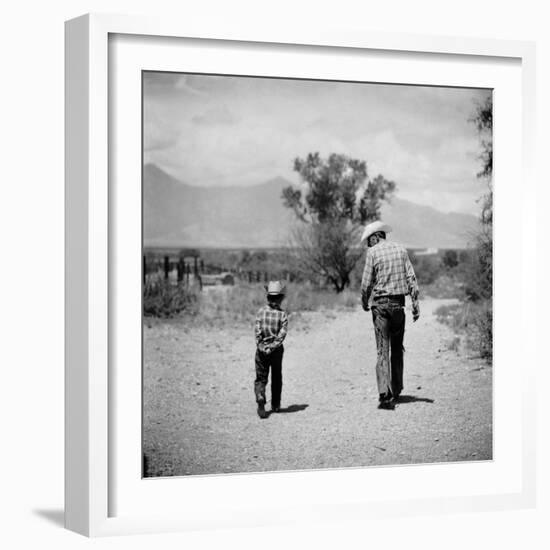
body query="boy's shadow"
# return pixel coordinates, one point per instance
(413, 399)
(293, 409)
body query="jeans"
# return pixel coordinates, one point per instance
(264, 362)
(388, 317)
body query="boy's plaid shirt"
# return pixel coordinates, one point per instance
(388, 271)
(270, 327)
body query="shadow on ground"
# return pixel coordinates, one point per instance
(413, 399)
(57, 517)
(293, 408)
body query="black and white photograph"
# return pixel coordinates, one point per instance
(316, 274)
(274, 275)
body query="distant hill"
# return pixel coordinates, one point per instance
(177, 214)
(419, 226)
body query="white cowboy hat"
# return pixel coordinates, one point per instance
(275, 288)
(373, 228)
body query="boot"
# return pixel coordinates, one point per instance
(261, 410)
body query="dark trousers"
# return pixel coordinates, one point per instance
(389, 328)
(264, 362)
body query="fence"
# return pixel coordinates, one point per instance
(193, 271)
(178, 270)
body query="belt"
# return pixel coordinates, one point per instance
(393, 299)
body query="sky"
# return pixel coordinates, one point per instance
(208, 130)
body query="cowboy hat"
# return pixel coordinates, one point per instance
(374, 227)
(274, 288)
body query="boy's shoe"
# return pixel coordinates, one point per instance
(275, 409)
(387, 404)
(261, 410)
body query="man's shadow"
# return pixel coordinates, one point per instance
(413, 399)
(293, 409)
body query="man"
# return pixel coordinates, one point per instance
(388, 277)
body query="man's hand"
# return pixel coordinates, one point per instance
(365, 304)
(416, 313)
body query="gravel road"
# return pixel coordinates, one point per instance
(200, 414)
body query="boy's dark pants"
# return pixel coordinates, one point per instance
(388, 317)
(263, 362)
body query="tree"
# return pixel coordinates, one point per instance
(479, 279)
(338, 198)
(483, 119)
(336, 190)
(328, 250)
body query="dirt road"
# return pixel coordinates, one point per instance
(200, 415)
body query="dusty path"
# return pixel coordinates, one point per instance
(200, 415)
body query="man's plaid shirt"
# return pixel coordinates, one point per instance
(388, 271)
(271, 326)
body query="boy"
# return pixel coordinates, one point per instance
(270, 331)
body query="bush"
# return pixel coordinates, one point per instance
(163, 299)
(481, 338)
(450, 258)
(478, 272)
(426, 267)
(238, 304)
(474, 320)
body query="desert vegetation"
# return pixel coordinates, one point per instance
(441, 275)
(336, 199)
(473, 317)
(323, 260)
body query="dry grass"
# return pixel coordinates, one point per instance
(239, 304)
(444, 286)
(163, 299)
(472, 322)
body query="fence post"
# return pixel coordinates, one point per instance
(181, 269)
(166, 267)
(144, 274)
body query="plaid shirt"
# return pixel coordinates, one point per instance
(270, 328)
(388, 271)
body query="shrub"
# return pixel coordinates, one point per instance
(164, 299)
(478, 272)
(427, 268)
(450, 258)
(240, 303)
(481, 333)
(474, 320)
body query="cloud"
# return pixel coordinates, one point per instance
(215, 130)
(216, 116)
(185, 84)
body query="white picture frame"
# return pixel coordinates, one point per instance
(92, 399)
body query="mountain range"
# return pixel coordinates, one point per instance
(176, 214)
